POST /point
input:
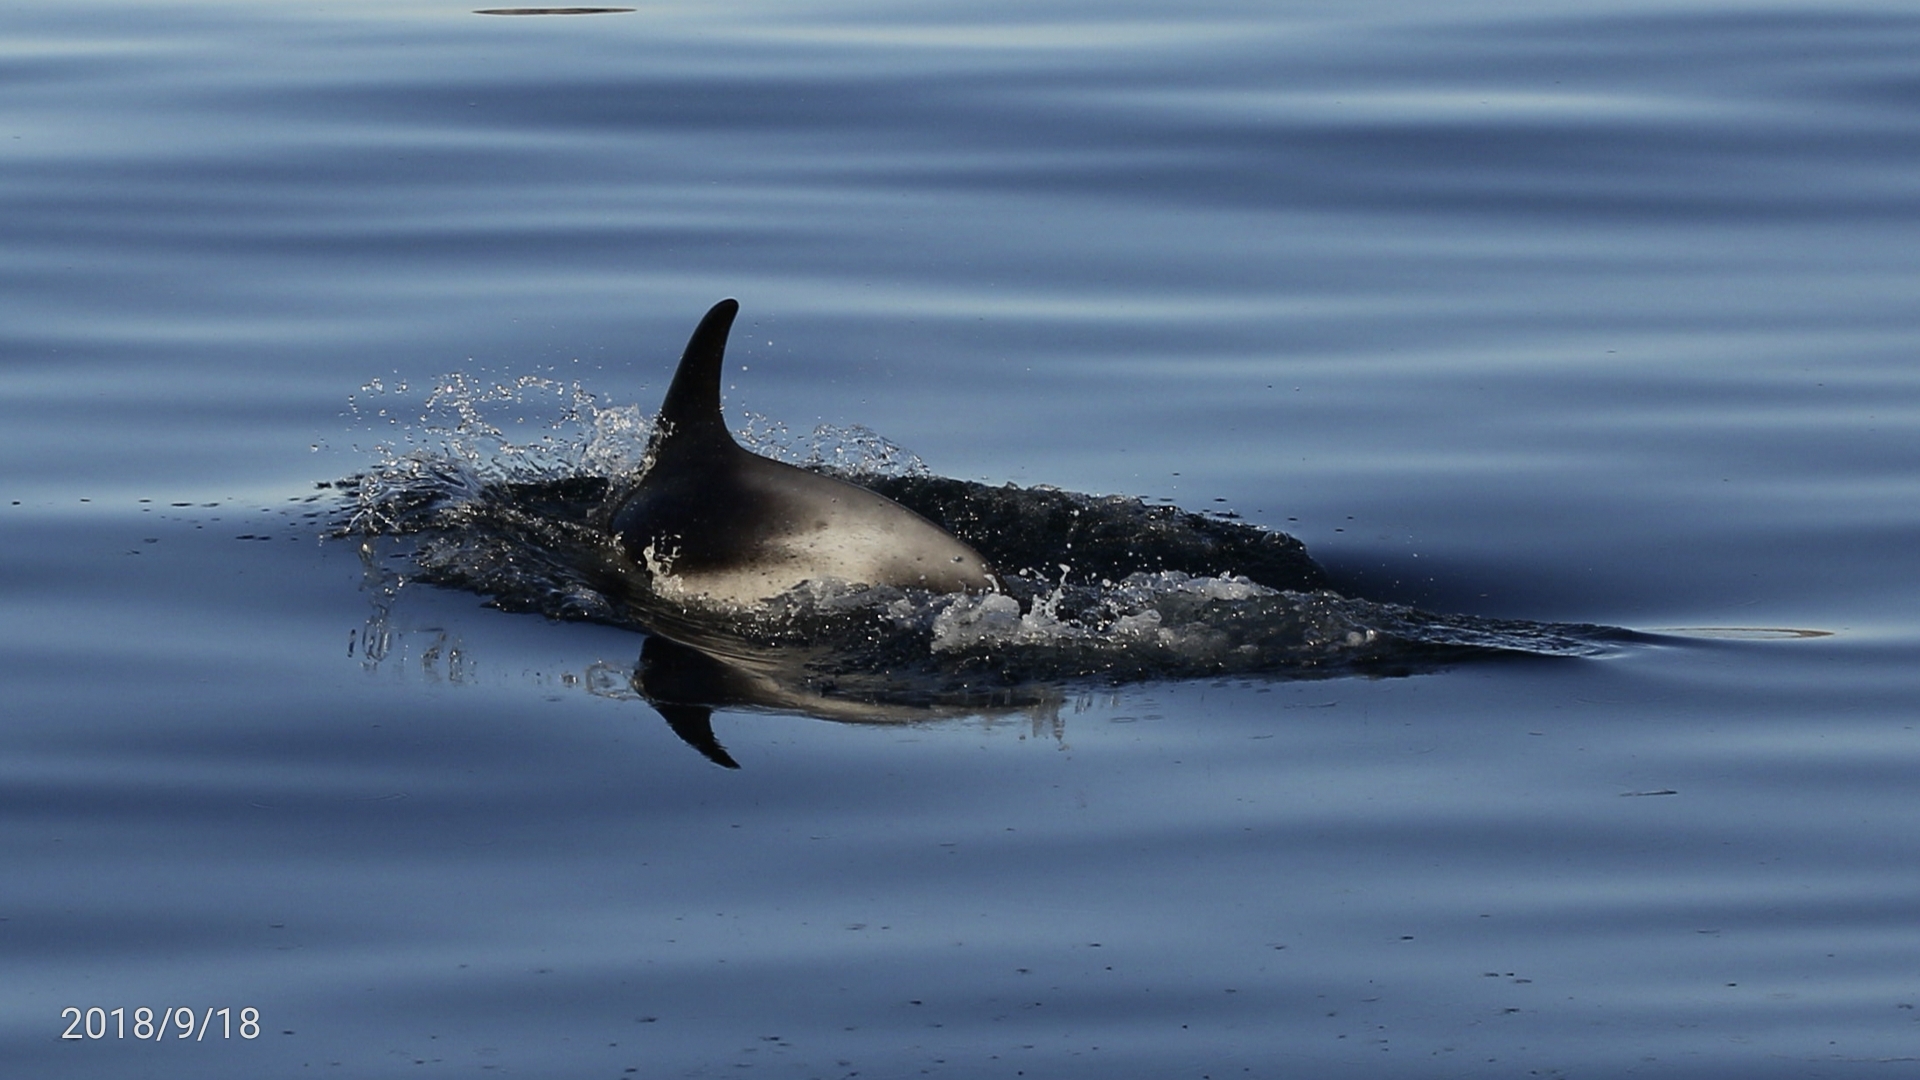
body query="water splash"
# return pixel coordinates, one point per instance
(449, 444)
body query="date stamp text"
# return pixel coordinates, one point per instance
(180, 1022)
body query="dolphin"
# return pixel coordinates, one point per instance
(711, 522)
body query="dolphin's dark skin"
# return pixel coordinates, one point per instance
(712, 522)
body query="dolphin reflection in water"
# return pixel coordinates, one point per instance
(685, 684)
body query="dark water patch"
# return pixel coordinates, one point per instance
(1745, 633)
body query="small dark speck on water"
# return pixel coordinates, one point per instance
(554, 11)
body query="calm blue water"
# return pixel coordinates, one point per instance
(1592, 313)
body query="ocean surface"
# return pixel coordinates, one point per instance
(1595, 325)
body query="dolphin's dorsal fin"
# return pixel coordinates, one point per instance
(691, 412)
